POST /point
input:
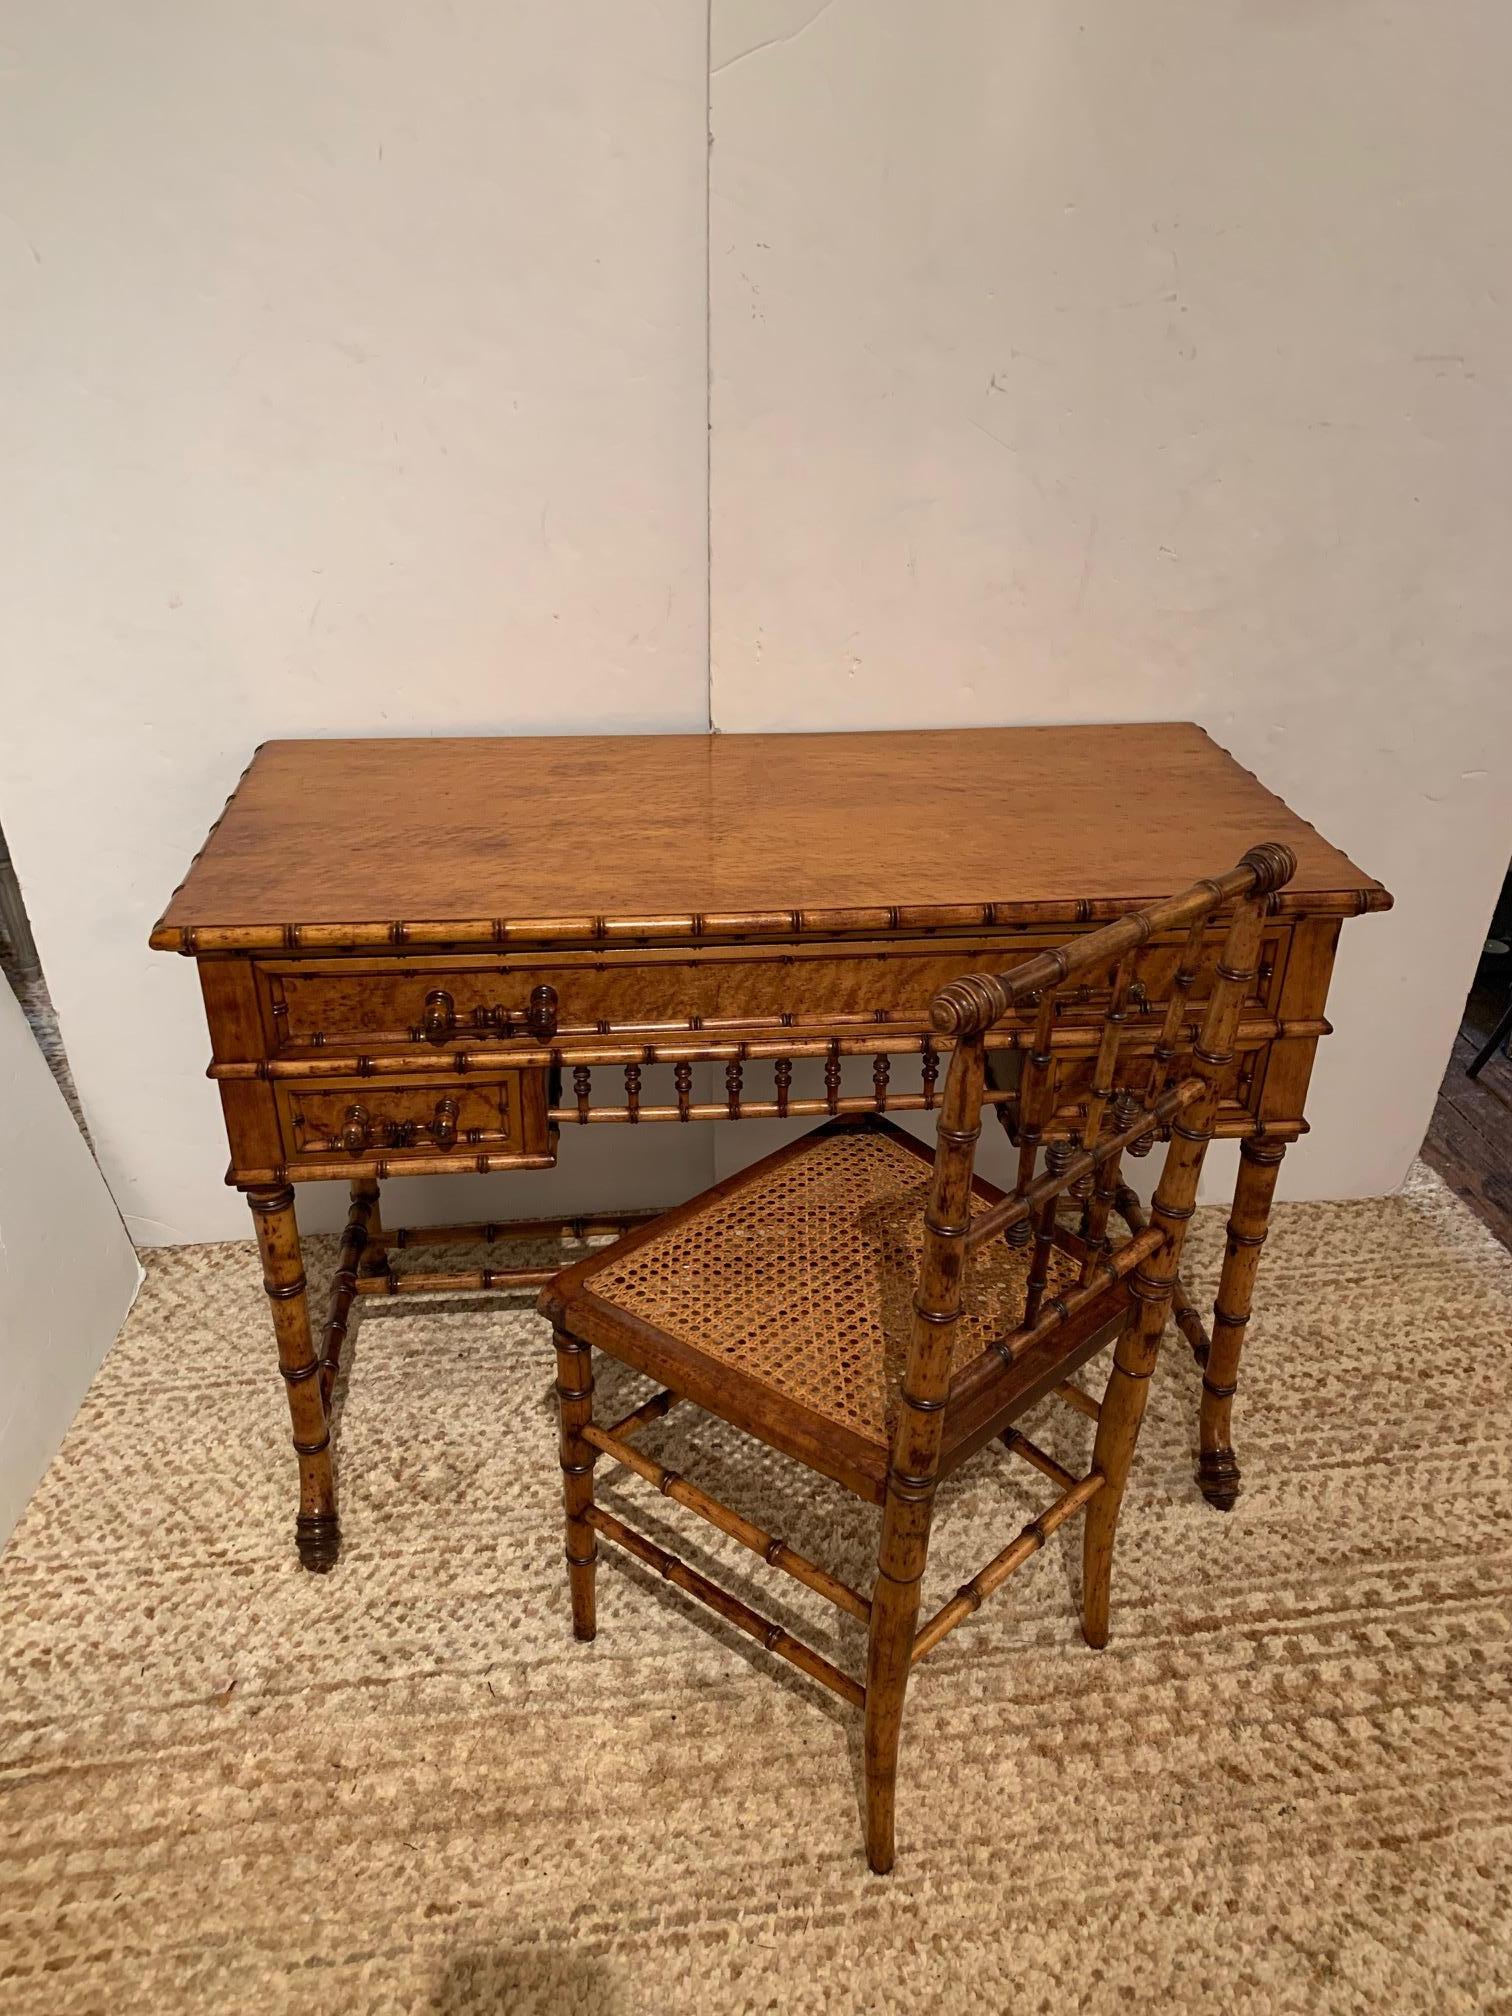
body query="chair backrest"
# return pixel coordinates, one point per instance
(1164, 1078)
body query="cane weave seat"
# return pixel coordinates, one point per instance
(793, 1283)
(802, 1276)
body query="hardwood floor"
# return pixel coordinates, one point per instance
(1470, 1136)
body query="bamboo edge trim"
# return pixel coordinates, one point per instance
(774, 1637)
(970, 1597)
(770, 1547)
(610, 1054)
(192, 940)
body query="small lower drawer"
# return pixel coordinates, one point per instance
(413, 1121)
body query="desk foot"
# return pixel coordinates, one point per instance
(318, 1537)
(1218, 1478)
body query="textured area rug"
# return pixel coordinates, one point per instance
(228, 1785)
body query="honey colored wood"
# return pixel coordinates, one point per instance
(819, 1219)
(429, 957)
(466, 842)
(315, 1527)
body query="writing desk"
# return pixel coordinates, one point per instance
(433, 956)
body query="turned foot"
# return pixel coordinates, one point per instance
(317, 1535)
(1218, 1477)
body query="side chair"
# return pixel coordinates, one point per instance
(879, 1315)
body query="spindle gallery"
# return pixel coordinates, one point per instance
(470, 996)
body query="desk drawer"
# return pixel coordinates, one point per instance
(373, 1006)
(410, 1121)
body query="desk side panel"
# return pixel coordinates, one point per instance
(237, 1036)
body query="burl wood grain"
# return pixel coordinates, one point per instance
(381, 1004)
(452, 841)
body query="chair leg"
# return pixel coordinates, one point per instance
(575, 1402)
(889, 1655)
(1117, 1434)
(901, 1558)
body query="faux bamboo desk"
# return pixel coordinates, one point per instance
(435, 956)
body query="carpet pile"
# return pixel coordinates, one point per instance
(227, 1785)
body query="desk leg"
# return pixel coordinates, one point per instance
(375, 1255)
(316, 1532)
(1217, 1465)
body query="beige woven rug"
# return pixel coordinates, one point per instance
(1285, 1785)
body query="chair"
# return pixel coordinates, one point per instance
(879, 1315)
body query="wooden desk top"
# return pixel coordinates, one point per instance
(334, 845)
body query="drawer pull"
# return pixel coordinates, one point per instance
(541, 1015)
(438, 1018)
(538, 1019)
(356, 1130)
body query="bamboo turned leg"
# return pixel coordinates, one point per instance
(889, 1657)
(575, 1400)
(349, 1264)
(375, 1255)
(316, 1531)
(1117, 1433)
(1217, 1466)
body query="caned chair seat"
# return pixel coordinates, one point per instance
(782, 1300)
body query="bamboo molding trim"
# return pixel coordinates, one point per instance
(1074, 1398)
(654, 1409)
(1014, 1210)
(1238, 1127)
(195, 940)
(971, 1596)
(1039, 1459)
(757, 1109)
(345, 1285)
(1183, 1310)
(762, 1629)
(774, 1551)
(888, 1041)
(482, 1280)
(982, 1373)
(381, 1167)
(489, 1233)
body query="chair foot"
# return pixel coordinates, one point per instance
(1218, 1478)
(317, 1535)
(580, 1576)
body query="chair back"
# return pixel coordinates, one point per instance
(1163, 1078)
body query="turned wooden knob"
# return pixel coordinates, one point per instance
(541, 1015)
(356, 1130)
(444, 1124)
(438, 1018)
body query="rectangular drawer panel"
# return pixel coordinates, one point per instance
(375, 1005)
(411, 1119)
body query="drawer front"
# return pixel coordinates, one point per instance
(409, 1120)
(1239, 1098)
(310, 1005)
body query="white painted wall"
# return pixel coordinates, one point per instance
(67, 1271)
(354, 382)
(1069, 363)
(1098, 361)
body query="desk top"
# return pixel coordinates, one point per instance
(335, 845)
